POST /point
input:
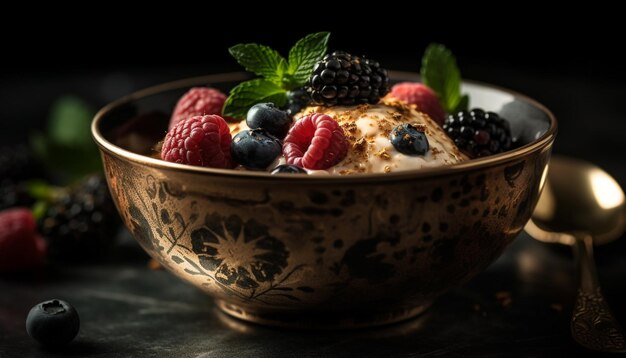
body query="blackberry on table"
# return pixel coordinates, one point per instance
(82, 223)
(479, 133)
(343, 79)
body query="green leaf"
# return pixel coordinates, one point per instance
(463, 104)
(440, 72)
(249, 93)
(39, 209)
(39, 189)
(66, 163)
(67, 148)
(261, 60)
(305, 54)
(69, 122)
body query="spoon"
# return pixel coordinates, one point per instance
(582, 205)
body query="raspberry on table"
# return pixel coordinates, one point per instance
(199, 140)
(315, 141)
(199, 101)
(20, 245)
(424, 98)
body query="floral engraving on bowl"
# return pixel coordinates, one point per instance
(240, 257)
(240, 254)
(171, 225)
(244, 260)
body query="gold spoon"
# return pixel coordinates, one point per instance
(582, 205)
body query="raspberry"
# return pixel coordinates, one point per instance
(199, 140)
(199, 101)
(20, 245)
(422, 96)
(315, 142)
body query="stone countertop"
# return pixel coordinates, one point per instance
(520, 306)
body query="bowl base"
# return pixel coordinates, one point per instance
(321, 320)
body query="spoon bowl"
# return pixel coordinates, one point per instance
(578, 197)
(582, 205)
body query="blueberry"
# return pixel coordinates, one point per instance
(53, 323)
(288, 169)
(270, 118)
(408, 140)
(255, 149)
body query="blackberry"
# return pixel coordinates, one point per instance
(82, 223)
(296, 100)
(479, 133)
(343, 79)
(16, 165)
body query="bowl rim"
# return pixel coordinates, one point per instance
(479, 163)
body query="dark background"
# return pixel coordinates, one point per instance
(568, 60)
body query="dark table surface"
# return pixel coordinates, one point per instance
(128, 310)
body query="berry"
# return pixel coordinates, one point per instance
(409, 140)
(479, 133)
(270, 118)
(199, 101)
(53, 323)
(20, 245)
(424, 98)
(288, 169)
(343, 79)
(315, 141)
(199, 140)
(296, 100)
(81, 223)
(255, 149)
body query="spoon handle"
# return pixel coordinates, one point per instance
(593, 325)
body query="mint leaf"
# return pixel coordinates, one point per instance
(70, 121)
(249, 93)
(440, 72)
(463, 104)
(67, 148)
(305, 54)
(261, 60)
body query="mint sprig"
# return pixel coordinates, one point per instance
(305, 54)
(261, 60)
(440, 72)
(249, 93)
(278, 74)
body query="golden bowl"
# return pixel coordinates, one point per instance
(321, 251)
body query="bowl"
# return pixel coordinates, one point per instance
(322, 251)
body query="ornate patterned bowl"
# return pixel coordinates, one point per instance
(320, 251)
